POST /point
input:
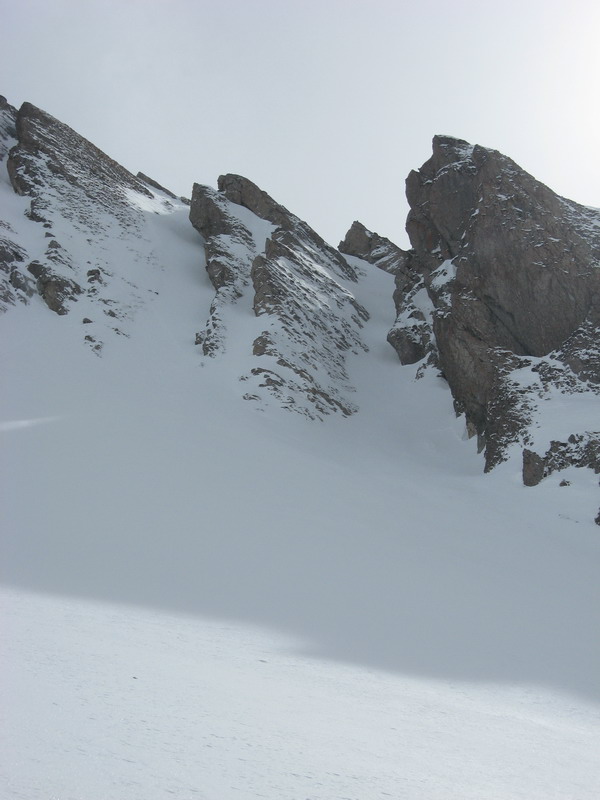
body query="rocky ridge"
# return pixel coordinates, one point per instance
(78, 239)
(500, 291)
(310, 321)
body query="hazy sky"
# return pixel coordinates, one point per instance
(326, 104)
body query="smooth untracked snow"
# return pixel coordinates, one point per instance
(206, 600)
(110, 701)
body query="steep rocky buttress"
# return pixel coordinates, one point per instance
(501, 292)
(310, 321)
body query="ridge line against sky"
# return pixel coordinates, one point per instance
(327, 105)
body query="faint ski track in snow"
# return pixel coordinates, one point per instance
(19, 424)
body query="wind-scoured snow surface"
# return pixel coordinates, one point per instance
(206, 600)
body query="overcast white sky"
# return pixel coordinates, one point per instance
(326, 104)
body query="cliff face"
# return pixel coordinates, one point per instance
(503, 279)
(517, 263)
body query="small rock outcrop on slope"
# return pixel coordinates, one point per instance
(371, 247)
(411, 336)
(512, 275)
(256, 248)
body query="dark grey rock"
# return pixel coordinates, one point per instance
(373, 248)
(94, 276)
(54, 289)
(533, 468)
(511, 271)
(229, 249)
(10, 254)
(580, 450)
(412, 335)
(243, 192)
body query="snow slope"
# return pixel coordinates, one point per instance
(110, 701)
(204, 599)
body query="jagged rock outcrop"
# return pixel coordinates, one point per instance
(55, 290)
(78, 216)
(242, 192)
(581, 450)
(512, 271)
(232, 243)
(13, 283)
(376, 249)
(411, 335)
(311, 321)
(51, 162)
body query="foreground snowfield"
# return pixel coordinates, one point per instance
(206, 600)
(113, 701)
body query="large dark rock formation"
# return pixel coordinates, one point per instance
(511, 276)
(500, 293)
(514, 262)
(8, 127)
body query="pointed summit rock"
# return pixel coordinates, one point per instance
(512, 273)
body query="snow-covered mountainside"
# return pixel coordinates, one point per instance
(209, 596)
(76, 236)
